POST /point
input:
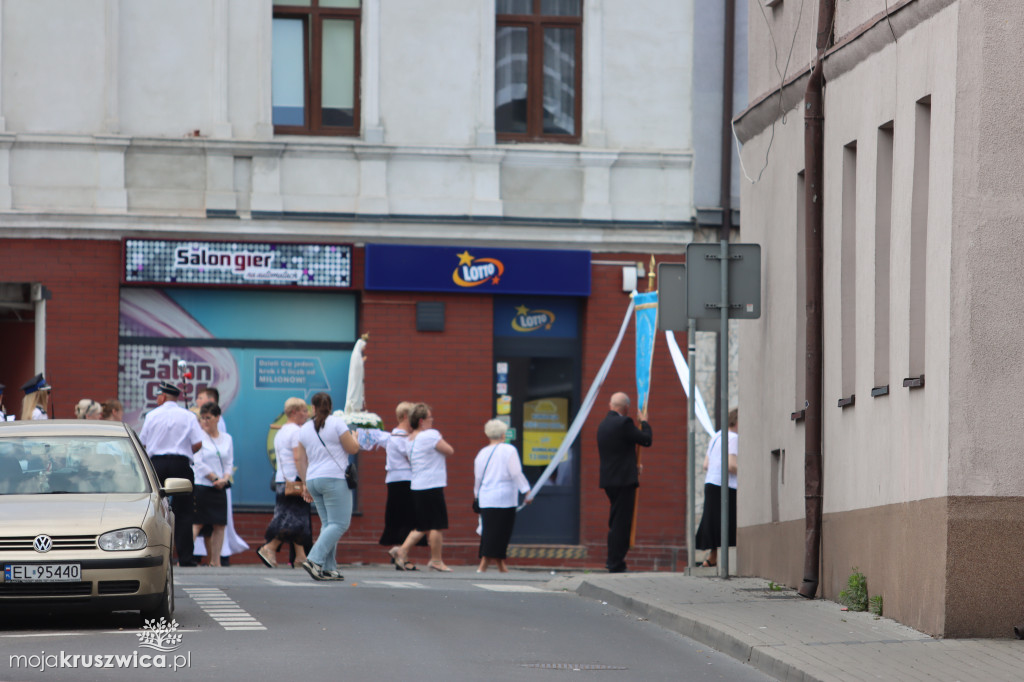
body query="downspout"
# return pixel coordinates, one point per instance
(814, 174)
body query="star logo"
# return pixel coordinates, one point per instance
(465, 258)
(522, 310)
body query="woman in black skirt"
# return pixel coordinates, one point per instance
(399, 510)
(709, 534)
(498, 479)
(291, 522)
(212, 465)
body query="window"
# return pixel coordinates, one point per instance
(883, 240)
(315, 72)
(848, 275)
(919, 237)
(538, 70)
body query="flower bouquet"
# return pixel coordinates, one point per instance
(367, 426)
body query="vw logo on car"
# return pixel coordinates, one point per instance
(42, 543)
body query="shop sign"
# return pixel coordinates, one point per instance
(545, 423)
(394, 267)
(152, 261)
(535, 316)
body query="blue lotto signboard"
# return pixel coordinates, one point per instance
(456, 269)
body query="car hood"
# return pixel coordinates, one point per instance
(71, 514)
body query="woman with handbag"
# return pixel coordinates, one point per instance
(291, 522)
(497, 481)
(428, 452)
(212, 465)
(321, 458)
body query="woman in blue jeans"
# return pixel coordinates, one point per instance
(321, 457)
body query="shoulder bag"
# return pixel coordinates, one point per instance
(476, 500)
(351, 475)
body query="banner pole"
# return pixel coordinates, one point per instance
(691, 457)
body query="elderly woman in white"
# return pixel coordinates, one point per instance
(498, 480)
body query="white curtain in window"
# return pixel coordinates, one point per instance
(510, 63)
(560, 80)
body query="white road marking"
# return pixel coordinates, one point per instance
(508, 588)
(396, 584)
(289, 583)
(221, 608)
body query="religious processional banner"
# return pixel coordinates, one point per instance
(646, 306)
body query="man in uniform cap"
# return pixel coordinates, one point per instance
(171, 435)
(37, 396)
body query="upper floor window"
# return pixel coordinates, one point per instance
(315, 73)
(538, 62)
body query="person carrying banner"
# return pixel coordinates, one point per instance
(617, 438)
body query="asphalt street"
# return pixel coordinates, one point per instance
(247, 622)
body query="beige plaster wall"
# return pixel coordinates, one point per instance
(787, 27)
(987, 316)
(891, 448)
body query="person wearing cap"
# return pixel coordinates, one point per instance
(37, 397)
(171, 435)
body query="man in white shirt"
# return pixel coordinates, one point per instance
(171, 434)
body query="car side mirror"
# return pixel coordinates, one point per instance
(176, 486)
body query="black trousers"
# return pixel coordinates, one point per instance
(620, 523)
(183, 506)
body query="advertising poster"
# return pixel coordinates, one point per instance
(545, 422)
(258, 348)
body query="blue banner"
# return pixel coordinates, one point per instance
(480, 270)
(646, 326)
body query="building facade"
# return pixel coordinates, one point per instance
(921, 224)
(248, 187)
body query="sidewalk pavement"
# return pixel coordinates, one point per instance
(791, 638)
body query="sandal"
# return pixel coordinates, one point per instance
(438, 566)
(706, 564)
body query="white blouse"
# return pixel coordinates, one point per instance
(498, 482)
(326, 458)
(398, 466)
(284, 443)
(217, 457)
(429, 469)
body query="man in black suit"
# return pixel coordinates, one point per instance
(617, 438)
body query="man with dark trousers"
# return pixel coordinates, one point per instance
(617, 438)
(171, 435)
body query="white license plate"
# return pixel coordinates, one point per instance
(42, 573)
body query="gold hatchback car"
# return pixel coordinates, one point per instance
(84, 522)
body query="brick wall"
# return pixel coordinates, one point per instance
(81, 318)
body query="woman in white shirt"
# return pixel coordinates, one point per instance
(400, 510)
(709, 533)
(212, 466)
(321, 457)
(427, 453)
(291, 522)
(497, 481)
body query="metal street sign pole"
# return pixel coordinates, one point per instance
(723, 442)
(691, 444)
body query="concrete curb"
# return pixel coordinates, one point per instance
(720, 637)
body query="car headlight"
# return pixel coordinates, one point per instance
(123, 540)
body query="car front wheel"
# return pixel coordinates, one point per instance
(165, 609)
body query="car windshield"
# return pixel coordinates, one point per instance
(70, 464)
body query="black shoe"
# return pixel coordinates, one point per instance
(190, 562)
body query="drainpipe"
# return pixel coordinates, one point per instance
(814, 174)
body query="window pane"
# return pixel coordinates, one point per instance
(515, 6)
(288, 74)
(339, 3)
(293, 3)
(560, 81)
(560, 8)
(339, 68)
(510, 70)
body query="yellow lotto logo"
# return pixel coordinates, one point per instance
(472, 272)
(527, 320)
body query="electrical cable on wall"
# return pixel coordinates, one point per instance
(782, 82)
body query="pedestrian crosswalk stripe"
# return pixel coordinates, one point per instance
(396, 584)
(221, 608)
(500, 587)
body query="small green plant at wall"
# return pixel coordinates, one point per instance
(855, 596)
(774, 586)
(875, 605)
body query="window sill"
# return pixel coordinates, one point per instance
(914, 382)
(798, 416)
(879, 391)
(847, 402)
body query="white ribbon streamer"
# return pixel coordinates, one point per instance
(700, 409)
(584, 411)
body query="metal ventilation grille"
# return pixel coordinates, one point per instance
(45, 589)
(117, 587)
(60, 542)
